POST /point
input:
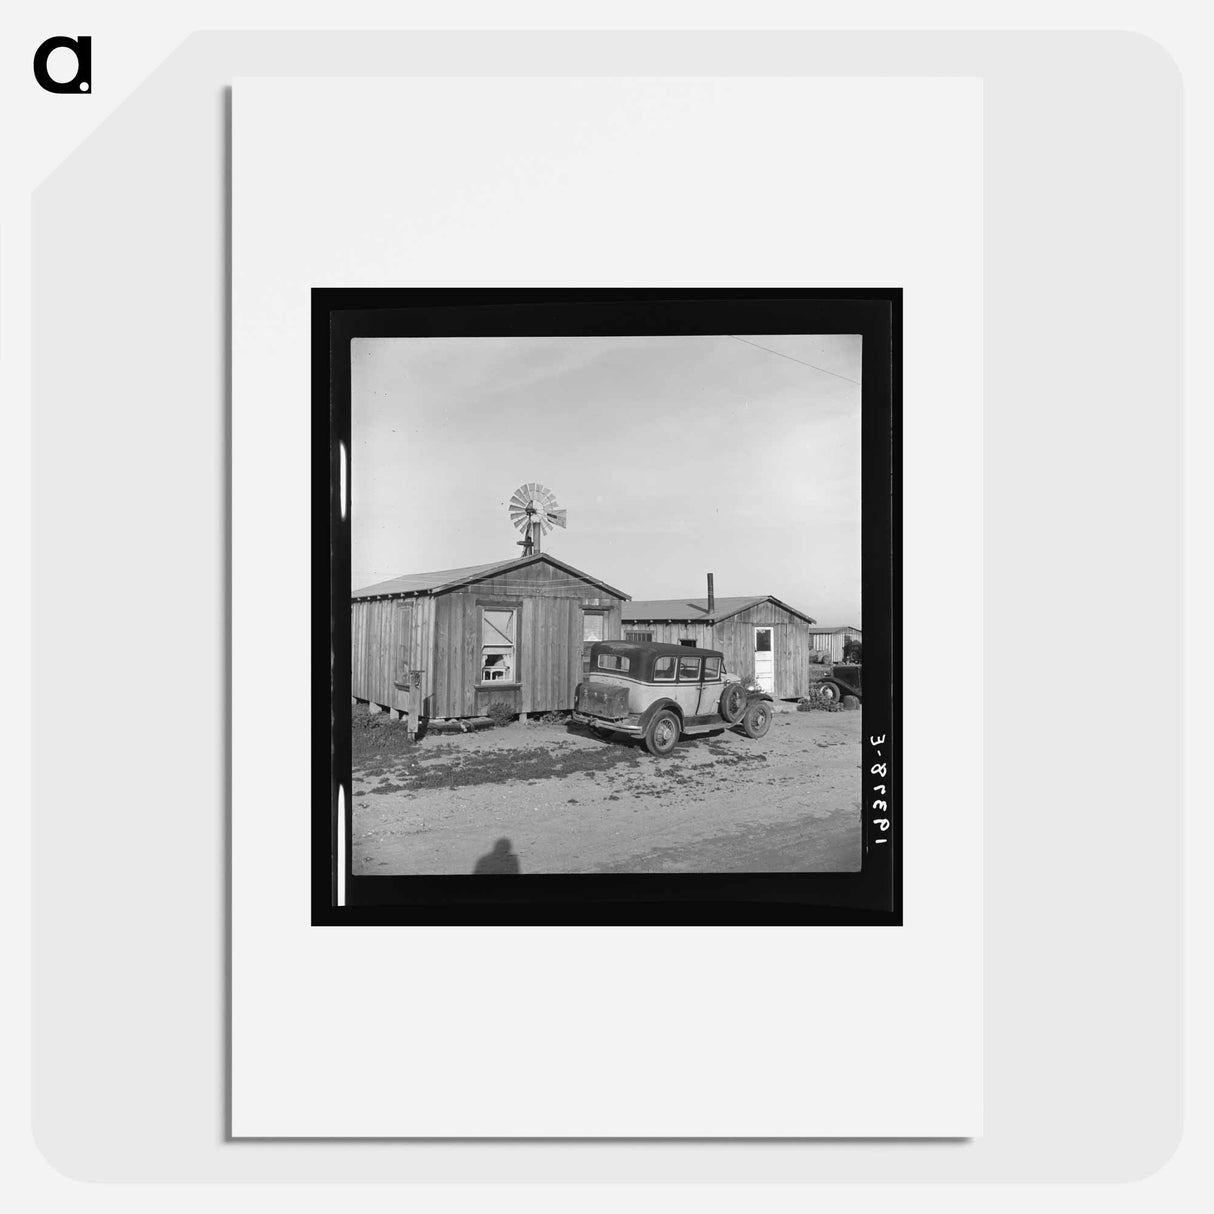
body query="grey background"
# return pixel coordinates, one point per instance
(1082, 485)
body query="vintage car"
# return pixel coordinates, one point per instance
(841, 681)
(661, 692)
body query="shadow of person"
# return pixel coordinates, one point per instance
(500, 860)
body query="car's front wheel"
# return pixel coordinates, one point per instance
(757, 720)
(663, 733)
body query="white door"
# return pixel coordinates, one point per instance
(765, 664)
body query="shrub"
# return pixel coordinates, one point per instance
(815, 702)
(853, 651)
(500, 714)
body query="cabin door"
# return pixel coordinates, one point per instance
(765, 665)
(402, 657)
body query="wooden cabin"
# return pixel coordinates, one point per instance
(829, 642)
(509, 633)
(758, 634)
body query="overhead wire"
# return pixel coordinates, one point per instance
(781, 354)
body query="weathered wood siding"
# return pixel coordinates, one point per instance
(832, 642)
(792, 643)
(548, 639)
(441, 634)
(672, 634)
(387, 635)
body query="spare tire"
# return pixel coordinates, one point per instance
(733, 703)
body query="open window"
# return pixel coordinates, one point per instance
(594, 628)
(498, 645)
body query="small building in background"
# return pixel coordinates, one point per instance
(829, 641)
(758, 634)
(510, 633)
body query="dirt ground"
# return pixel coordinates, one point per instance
(554, 798)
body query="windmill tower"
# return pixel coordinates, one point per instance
(533, 510)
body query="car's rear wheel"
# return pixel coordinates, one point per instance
(663, 733)
(733, 703)
(828, 692)
(757, 720)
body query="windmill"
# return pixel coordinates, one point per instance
(533, 510)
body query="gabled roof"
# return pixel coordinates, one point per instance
(693, 610)
(442, 580)
(833, 628)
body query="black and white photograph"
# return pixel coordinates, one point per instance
(606, 605)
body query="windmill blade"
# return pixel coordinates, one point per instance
(520, 499)
(535, 504)
(544, 502)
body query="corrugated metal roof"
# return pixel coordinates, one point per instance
(690, 610)
(447, 579)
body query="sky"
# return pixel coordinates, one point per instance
(674, 456)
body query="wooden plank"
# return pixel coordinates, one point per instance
(446, 652)
(402, 637)
(372, 626)
(426, 652)
(566, 624)
(568, 660)
(470, 654)
(614, 621)
(373, 667)
(465, 668)
(571, 675)
(385, 639)
(541, 620)
(526, 651)
(450, 655)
